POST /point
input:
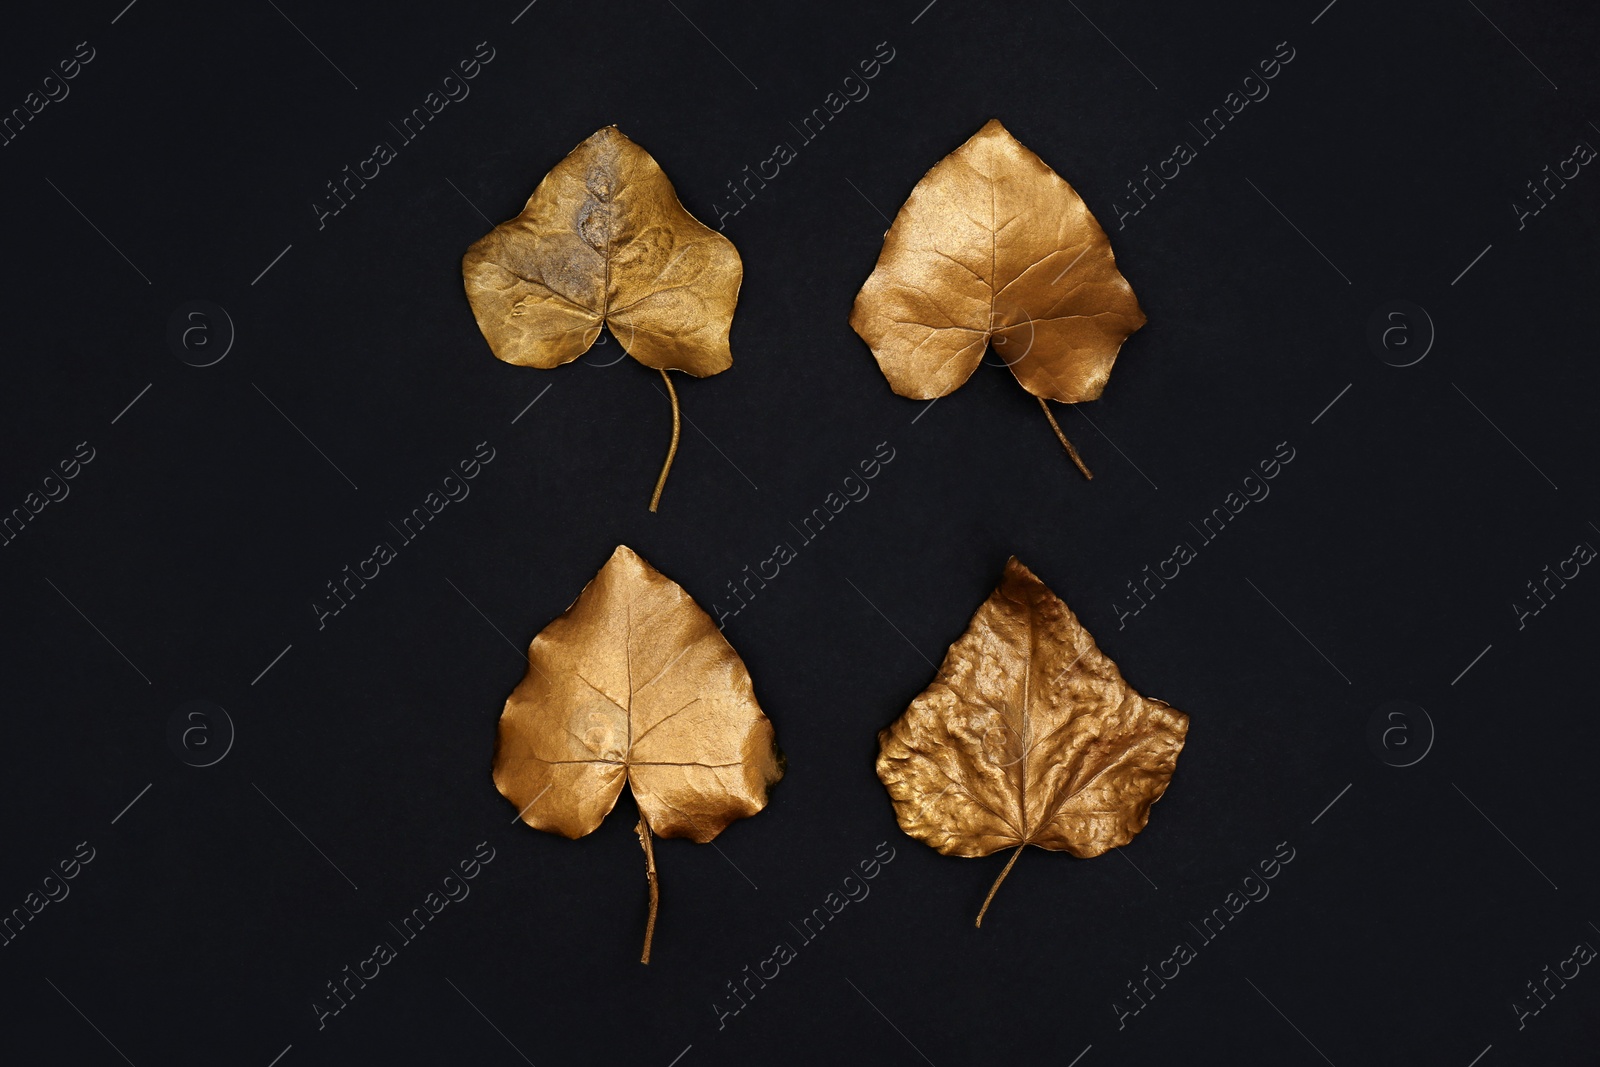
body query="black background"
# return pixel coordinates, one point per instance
(1395, 542)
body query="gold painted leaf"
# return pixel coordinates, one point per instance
(634, 685)
(1029, 736)
(603, 241)
(994, 246)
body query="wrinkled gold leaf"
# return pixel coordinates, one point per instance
(994, 246)
(1029, 736)
(635, 685)
(603, 241)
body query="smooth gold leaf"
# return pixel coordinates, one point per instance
(994, 246)
(603, 241)
(634, 685)
(1029, 736)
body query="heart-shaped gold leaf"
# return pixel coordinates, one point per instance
(634, 685)
(992, 246)
(603, 241)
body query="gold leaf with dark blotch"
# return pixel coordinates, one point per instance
(992, 246)
(1029, 736)
(634, 685)
(603, 241)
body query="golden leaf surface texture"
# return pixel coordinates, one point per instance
(994, 246)
(603, 240)
(1029, 736)
(635, 685)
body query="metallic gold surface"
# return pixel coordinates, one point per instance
(992, 245)
(635, 685)
(1029, 736)
(603, 240)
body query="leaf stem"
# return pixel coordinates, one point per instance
(1054, 425)
(1009, 865)
(661, 482)
(655, 892)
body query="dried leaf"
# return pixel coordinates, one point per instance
(1029, 736)
(634, 684)
(603, 241)
(993, 245)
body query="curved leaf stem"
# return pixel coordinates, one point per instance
(655, 892)
(1054, 425)
(997, 881)
(661, 482)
